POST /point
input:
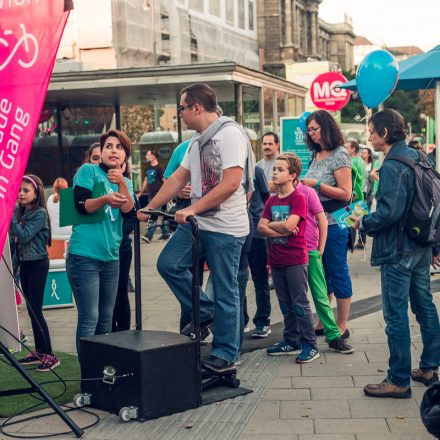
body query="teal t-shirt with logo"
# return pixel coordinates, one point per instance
(100, 240)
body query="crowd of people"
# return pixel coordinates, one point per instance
(252, 216)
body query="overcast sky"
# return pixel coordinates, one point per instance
(393, 22)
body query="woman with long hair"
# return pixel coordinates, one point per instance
(330, 175)
(93, 258)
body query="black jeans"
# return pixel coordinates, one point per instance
(291, 288)
(122, 313)
(258, 265)
(33, 276)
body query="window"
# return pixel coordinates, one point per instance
(196, 4)
(214, 7)
(230, 12)
(241, 13)
(251, 15)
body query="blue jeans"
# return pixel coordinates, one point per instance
(409, 278)
(243, 278)
(222, 253)
(335, 264)
(94, 284)
(258, 264)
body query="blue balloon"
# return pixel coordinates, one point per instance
(376, 77)
(303, 121)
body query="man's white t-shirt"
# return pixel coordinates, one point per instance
(226, 149)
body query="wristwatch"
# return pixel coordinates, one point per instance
(318, 185)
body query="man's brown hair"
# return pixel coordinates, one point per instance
(202, 94)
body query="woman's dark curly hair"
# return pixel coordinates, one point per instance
(331, 134)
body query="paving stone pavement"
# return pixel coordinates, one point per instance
(323, 400)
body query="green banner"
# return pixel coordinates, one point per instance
(292, 141)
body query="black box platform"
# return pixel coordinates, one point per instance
(158, 368)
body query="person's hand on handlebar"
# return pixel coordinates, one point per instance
(142, 216)
(182, 215)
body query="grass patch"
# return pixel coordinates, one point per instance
(11, 379)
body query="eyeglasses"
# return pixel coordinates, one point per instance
(313, 129)
(182, 108)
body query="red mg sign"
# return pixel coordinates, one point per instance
(325, 93)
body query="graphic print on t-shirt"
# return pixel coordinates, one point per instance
(211, 165)
(151, 176)
(279, 214)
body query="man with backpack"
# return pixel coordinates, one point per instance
(405, 234)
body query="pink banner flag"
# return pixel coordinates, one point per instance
(30, 33)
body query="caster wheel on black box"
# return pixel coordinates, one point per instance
(128, 413)
(80, 400)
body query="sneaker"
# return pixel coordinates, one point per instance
(271, 285)
(205, 332)
(32, 358)
(206, 336)
(218, 365)
(308, 354)
(262, 332)
(281, 348)
(346, 334)
(49, 363)
(246, 330)
(146, 239)
(164, 237)
(23, 337)
(426, 377)
(386, 389)
(340, 346)
(319, 331)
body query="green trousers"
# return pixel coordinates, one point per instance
(318, 288)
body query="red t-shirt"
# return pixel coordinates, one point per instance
(290, 250)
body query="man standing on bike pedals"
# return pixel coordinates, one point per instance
(220, 166)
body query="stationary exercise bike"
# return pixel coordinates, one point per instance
(208, 378)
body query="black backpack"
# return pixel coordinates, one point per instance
(422, 220)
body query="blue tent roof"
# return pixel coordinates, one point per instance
(418, 72)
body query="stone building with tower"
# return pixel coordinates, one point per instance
(291, 31)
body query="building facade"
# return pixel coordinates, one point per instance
(140, 33)
(291, 31)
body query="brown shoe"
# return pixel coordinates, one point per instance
(385, 389)
(427, 377)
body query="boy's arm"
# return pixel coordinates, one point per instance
(266, 231)
(286, 226)
(323, 227)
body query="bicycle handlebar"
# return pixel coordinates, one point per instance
(191, 219)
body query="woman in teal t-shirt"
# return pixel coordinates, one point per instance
(93, 259)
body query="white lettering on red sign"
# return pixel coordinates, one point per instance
(326, 94)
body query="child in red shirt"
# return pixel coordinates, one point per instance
(284, 223)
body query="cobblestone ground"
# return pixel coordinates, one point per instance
(323, 400)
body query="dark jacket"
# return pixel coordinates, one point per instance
(430, 409)
(32, 234)
(394, 198)
(128, 223)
